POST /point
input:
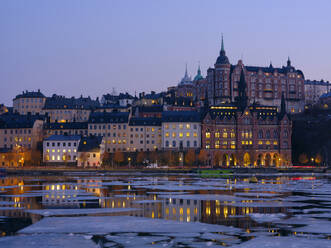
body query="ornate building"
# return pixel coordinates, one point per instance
(265, 85)
(236, 134)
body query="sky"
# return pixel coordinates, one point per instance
(90, 47)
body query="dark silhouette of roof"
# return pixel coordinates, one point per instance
(30, 94)
(144, 121)
(66, 125)
(105, 117)
(181, 116)
(90, 144)
(63, 138)
(62, 102)
(15, 120)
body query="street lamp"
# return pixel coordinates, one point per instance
(129, 160)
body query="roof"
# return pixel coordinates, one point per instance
(63, 138)
(105, 117)
(181, 116)
(271, 69)
(30, 94)
(326, 95)
(90, 144)
(142, 121)
(315, 82)
(62, 102)
(152, 108)
(15, 120)
(66, 125)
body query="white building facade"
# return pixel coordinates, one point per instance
(181, 130)
(60, 149)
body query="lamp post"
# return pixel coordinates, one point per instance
(129, 160)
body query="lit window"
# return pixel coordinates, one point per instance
(188, 126)
(187, 134)
(181, 135)
(180, 126)
(217, 135)
(166, 126)
(173, 134)
(225, 135)
(195, 134)
(207, 135)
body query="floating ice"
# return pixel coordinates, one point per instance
(260, 218)
(281, 242)
(79, 211)
(46, 241)
(108, 224)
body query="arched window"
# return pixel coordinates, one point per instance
(268, 134)
(167, 143)
(174, 143)
(260, 134)
(275, 134)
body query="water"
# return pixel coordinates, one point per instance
(149, 210)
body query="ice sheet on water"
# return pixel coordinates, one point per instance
(260, 218)
(316, 226)
(256, 194)
(6, 203)
(108, 224)
(178, 187)
(46, 241)
(78, 211)
(281, 242)
(10, 208)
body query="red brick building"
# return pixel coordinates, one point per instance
(236, 134)
(265, 85)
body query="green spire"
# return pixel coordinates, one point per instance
(222, 47)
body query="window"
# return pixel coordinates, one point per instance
(180, 126)
(285, 134)
(260, 134)
(188, 143)
(167, 143)
(217, 135)
(180, 135)
(174, 135)
(195, 126)
(188, 126)
(275, 134)
(47, 144)
(208, 135)
(188, 134)
(268, 134)
(167, 134)
(174, 143)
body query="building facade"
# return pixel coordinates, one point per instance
(314, 89)
(90, 151)
(20, 131)
(62, 109)
(111, 126)
(65, 128)
(144, 134)
(29, 102)
(181, 130)
(60, 149)
(257, 136)
(265, 85)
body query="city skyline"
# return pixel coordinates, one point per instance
(74, 48)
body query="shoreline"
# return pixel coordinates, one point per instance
(201, 171)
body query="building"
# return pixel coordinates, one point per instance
(29, 102)
(144, 134)
(23, 131)
(111, 126)
(314, 89)
(61, 149)
(147, 111)
(65, 128)
(150, 99)
(265, 85)
(3, 109)
(62, 109)
(181, 130)
(90, 151)
(122, 100)
(255, 135)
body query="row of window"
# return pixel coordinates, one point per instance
(64, 144)
(95, 127)
(17, 131)
(31, 100)
(64, 150)
(180, 135)
(181, 126)
(174, 143)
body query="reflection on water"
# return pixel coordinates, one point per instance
(271, 205)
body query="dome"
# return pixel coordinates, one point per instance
(198, 76)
